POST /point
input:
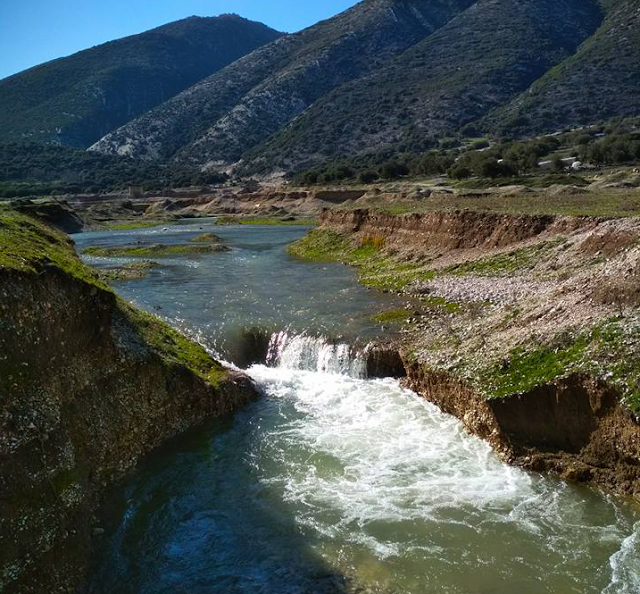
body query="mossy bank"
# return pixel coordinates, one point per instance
(526, 327)
(88, 385)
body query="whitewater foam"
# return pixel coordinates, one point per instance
(370, 463)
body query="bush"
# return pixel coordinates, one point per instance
(393, 170)
(367, 177)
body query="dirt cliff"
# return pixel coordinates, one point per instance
(88, 386)
(526, 327)
(576, 427)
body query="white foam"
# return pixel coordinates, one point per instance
(363, 455)
(290, 351)
(625, 566)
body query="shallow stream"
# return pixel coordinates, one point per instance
(333, 482)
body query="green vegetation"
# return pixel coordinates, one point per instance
(441, 303)
(610, 351)
(173, 347)
(154, 250)
(126, 77)
(608, 203)
(265, 221)
(129, 271)
(525, 370)
(28, 169)
(417, 102)
(376, 269)
(392, 316)
(508, 263)
(602, 70)
(27, 245)
(132, 225)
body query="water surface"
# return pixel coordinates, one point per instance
(215, 296)
(332, 482)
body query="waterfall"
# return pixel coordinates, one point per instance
(310, 353)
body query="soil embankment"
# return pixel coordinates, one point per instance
(525, 327)
(88, 386)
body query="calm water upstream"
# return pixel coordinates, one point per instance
(332, 482)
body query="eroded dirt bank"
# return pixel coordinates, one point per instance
(88, 386)
(575, 427)
(525, 327)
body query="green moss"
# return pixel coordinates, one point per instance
(441, 303)
(154, 250)
(130, 225)
(320, 245)
(376, 268)
(610, 351)
(174, 347)
(28, 245)
(65, 478)
(392, 316)
(525, 370)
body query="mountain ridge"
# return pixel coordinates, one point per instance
(243, 104)
(75, 100)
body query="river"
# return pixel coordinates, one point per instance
(333, 482)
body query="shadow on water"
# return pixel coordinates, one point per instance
(196, 519)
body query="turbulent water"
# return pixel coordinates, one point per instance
(336, 483)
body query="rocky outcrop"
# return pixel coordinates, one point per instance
(576, 427)
(88, 386)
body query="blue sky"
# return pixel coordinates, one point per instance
(35, 31)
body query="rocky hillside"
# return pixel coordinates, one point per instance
(88, 385)
(78, 99)
(482, 58)
(599, 82)
(244, 104)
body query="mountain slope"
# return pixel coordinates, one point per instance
(601, 81)
(78, 99)
(482, 58)
(242, 105)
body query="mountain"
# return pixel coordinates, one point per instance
(77, 100)
(481, 59)
(218, 119)
(601, 81)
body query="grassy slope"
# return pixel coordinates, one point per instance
(29, 246)
(611, 350)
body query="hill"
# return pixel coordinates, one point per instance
(601, 81)
(239, 107)
(481, 59)
(78, 99)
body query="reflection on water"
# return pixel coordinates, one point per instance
(335, 483)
